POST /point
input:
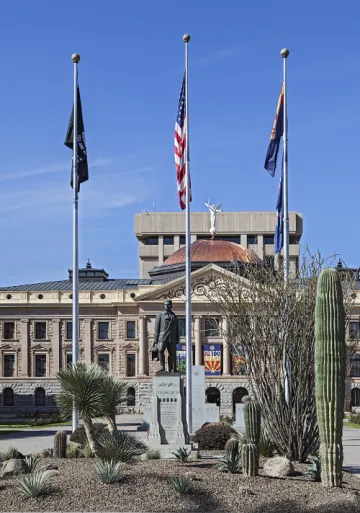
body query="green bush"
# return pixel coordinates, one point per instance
(182, 454)
(214, 436)
(314, 470)
(227, 419)
(120, 446)
(12, 453)
(108, 471)
(180, 484)
(153, 454)
(355, 418)
(33, 485)
(266, 445)
(79, 435)
(30, 463)
(230, 463)
(73, 451)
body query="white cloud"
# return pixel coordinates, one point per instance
(54, 168)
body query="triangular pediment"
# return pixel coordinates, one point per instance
(130, 346)
(7, 347)
(39, 347)
(202, 280)
(103, 347)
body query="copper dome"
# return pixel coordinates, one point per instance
(214, 251)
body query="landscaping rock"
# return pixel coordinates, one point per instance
(50, 466)
(12, 467)
(51, 473)
(278, 467)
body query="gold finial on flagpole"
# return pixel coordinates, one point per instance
(284, 53)
(186, 38)
(75, 57)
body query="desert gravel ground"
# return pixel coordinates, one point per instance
(146, 488)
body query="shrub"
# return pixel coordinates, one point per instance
(153, 454)
(30, 463)
(182, 454)
(214, 436)
(12, 453)
(73, 451)
(79, 435)
(227, 419)
(355, 418)
(47, 453)
(314, 470)
(120, 446)
(180, 484)
(230, 463)
(266, 445)
(87, 452)
(108, 471)
(33, 485)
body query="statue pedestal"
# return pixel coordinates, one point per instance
(168, 430)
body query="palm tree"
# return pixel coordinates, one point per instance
(115, 392)
(82, 387)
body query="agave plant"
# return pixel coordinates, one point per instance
(108, 471)
(11, 453)
(33, 485)
(182, 454)
(115, 392)
(30, 463)
(314, 470)
(81, 386)
(230, 463)
(120, 446)
(180, 484)
(266, 445)
(48, 453)
(153, 454)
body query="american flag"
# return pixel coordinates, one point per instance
(180, 148)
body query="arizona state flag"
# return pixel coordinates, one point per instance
(276, 133)
(82, 163)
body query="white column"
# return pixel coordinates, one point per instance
(142, 345)
(25, 347)
(226, 351)
(55, 343)
(198, 347)
(88, 341)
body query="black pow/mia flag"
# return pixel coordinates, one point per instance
(82, 163)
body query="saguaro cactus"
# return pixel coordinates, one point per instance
(60, 444)
(330, 354)
(250, 450)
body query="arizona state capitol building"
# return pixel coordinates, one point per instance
(117, 315)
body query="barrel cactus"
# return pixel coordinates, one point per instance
(232, 447)
(250, 459)
(60, 444)
(250, 450)
(330, 356)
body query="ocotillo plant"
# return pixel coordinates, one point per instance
(250, 450)
(60, 444)
(330, 354)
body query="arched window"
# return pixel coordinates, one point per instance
(8, 394)
(355, 397)
(130, 396)
(238, 395)
(213, 396)
(39, 397)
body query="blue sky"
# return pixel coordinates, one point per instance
(130, 75)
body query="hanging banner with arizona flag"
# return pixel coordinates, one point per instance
(212, 359)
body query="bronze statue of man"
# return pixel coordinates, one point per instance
(166, 336)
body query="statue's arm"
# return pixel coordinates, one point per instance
(177, 333)
(157, 328)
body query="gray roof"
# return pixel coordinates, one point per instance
(121, 284)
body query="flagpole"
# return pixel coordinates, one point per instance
(75, 274)
(287, 380)
(284, 54)
(186, 39)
